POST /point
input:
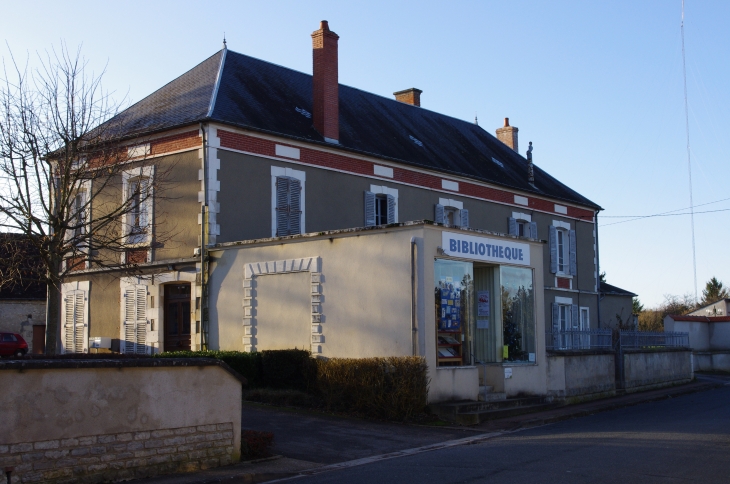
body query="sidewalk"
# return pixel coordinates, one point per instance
(308, 440)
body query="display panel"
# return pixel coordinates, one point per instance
(518, 314)
(452, 293)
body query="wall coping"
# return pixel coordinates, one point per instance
(120, 363)
(593, 352)
(657, 350)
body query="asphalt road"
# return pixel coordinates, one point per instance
(679, 440)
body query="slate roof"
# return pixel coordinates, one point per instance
(609, 289)
(262, 96)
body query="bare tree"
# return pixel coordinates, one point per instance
(63, 151)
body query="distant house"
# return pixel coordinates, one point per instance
(709, 335)
(617, 308)
(23, 300)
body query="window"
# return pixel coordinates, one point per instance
(287, 201)
(521, 224)
(75, 314)
(381, 206)
(567, 323)
(138, 193)
(518, 314)
(585, 323)
(562, 249)
(452, 213)
(79, 214)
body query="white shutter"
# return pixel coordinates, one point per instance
(295, 204)
(391, 209)
(79, 312)
(369, 203)
(512, 226)
(68, 322)
(573, 258)
(553, 239)
(439, 214)
(464, 218)
(282, 206)
(74, 321)
(135, 320)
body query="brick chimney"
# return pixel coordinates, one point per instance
(409, 96)
(508, 135)
(325, 94)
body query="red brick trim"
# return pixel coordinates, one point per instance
(177, 142)
(265, 147)
(563, 282)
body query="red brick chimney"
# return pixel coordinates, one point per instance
(325, 87)
(409, 96)
(508, 135)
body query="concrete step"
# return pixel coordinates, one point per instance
(487, 394)
(474, 418)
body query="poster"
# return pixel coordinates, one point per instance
(483, 304)
(450, 306)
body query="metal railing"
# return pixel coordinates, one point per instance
(654, 339)
(578, 339)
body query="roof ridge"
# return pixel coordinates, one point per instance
(214, 94)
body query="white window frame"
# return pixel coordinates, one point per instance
(523, 221)
(67, 287)
(453, 206)
(585, 322)
(564, 229)
(383, 190)
(128, 176)
(277, 171)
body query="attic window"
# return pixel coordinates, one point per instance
(304, 112)
(415, 140)
(497, 162)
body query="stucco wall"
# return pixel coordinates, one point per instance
(581, 375)
(14, 318)
(67, 416)
(645, 369)
(718, 360)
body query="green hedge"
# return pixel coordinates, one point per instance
(394, 388)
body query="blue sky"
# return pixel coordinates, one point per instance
(596, 86)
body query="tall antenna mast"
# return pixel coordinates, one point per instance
(689, 163)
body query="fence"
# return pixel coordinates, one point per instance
(578, 339)
(652, 339)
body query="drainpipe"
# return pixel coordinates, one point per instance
(204, 247)
(598, 275)
(414, 325)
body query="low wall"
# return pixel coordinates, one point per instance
(712, 360)
(459, 383)
(647, 369)
(577, 376)
(108, 420)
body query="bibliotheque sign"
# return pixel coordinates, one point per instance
(486, 249)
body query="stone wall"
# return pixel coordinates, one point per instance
(114, 457)
(100, 420)
(581, 375)
(14, 317)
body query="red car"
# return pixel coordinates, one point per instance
(12, 344)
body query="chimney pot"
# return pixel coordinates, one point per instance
(325, 87)
(508, 134)
(409, 96)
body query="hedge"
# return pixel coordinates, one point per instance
(392, 388)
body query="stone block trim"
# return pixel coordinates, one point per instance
(122, 456)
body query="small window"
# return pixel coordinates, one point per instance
(585, 323)
(561, 250)
(451, 213)
(521, 228)
(9, 338)
(138, 219)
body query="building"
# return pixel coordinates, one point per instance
(23, 300)
(346, 223)
(617, 308)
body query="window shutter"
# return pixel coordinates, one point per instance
(282, 206)
(556, 325)
(533, 230)
(69, 325)
(135, 320)
(512, 226)
(553, 232)
(141, 320)
(464, 216)
(295, 206)
(574, 317)
(391, 209)
(369, 203)
(573, 258)
(438, 213)
(78, 323)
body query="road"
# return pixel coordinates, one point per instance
(679, 440)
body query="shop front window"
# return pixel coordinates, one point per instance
(453, 298)
(518, 314)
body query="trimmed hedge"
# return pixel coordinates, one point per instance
(393, 388)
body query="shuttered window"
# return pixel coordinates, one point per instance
(451, 215)
(135, 320)
(380, 209)
(288, 206)
(563, 257)
(74, 322)
(522, 226)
